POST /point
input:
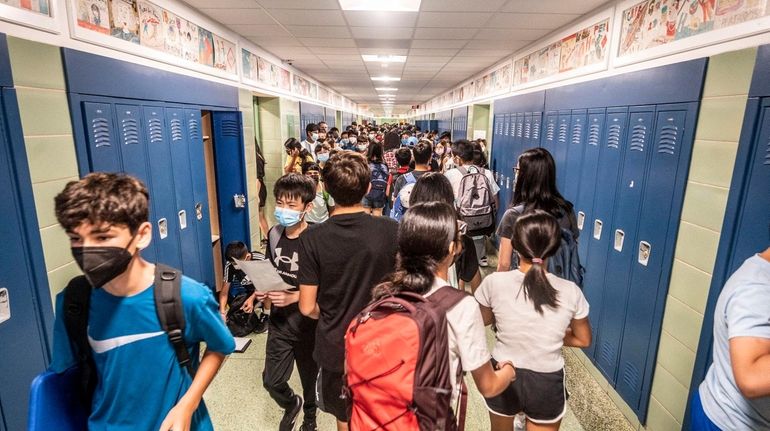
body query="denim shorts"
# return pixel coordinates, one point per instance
(377, 203)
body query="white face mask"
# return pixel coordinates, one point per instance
(353, 139)
(314, 136)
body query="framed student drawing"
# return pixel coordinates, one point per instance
(39, 14)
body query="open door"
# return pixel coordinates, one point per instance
(230, 177)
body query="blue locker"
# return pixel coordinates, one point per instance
(526, 139)
(574, 160)
(202, 217)
(653, 251)
(550, 132)
(518, 142)
(231, 178)
(103, 152)
(560, 149)
(588, 177)
(537, 120)
(623, 237)
(597, 231)
(134, 155)
(165, 225)
(176, 123)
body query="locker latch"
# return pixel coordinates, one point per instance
(507, 183)
(581, 219)
(619, 237)
(163, 228)
(644, 252)
(240, 201)
(5, 305)
(199, 211)
(597, 229)
(182, 219)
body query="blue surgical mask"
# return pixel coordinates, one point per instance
(404, 141)
(344, 141)
(287, 217)
(323, 157)
(314, 136)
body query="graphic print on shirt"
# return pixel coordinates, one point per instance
(101, 346)
(281, 261)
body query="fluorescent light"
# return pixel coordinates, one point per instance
(385, 78)
(380, 5)
(386, 88)
(385, 58)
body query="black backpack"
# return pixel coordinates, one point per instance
(379, 182)
(168, 305)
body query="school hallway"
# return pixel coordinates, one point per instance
(237, 401)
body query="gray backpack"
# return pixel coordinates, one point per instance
(475, 203)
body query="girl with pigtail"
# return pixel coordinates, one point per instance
(535, 314)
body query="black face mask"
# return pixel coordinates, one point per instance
(102, 264)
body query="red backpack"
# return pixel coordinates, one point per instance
(397, 364)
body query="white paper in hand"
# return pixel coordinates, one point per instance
(262, 273)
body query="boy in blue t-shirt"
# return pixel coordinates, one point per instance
(141, 385)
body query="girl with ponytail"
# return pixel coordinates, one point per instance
(428, 241)
(535, 313)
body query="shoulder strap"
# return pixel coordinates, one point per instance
(463, 170)
(447, 297)
(410, 179)
(168, 305)
(76, 304)
(273, 236)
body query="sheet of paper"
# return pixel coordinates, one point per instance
(241, 344)
(479, 134)
(262, 273)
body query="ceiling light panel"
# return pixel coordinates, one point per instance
(386, 89)
(385, 78)
(385, 58)
(379, 5)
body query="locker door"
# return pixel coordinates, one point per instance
(526, 138)
(560, 150)
(537, 119)
(133, 151)
(652, 253)
(23, 353)
(588, 175)
(752, 231)
(574, 159)
(597, 228)
(231, 178)
(549, 131)
(165, 224)
(518, 142)
(202, 217)
(103, 152)
(622, 250)
(183, 187)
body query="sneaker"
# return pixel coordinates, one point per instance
(290, 415)
(483, 262)
(308, 425)
(263, 324)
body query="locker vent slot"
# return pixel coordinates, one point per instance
(593, 135)
(638, 134)
(156, 130)
(194, 129)
(767, 155)
(631, 376)
(577, 131)
(130, 131)
(519, 129)
(668, 139)
(527, 130)
(230, 128)
(563, 132)
(536, 131)
(613, 138)
(549, 133)
(176, 129)
(608, 352)
(100, 128)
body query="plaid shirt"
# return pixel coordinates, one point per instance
(390, 160)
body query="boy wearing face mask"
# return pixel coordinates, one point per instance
(292, 336)
(141, 384)
(311, 138)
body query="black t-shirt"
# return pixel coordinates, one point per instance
(566, 218)
(346, 256)
(286, 259)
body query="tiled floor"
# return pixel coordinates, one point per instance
(237, 401)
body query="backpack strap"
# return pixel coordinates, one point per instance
(410, 179)
(463, 170)
(168, 305)
(76, 304)
(273, 236)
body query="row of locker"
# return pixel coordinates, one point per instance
(310, 113)
(459, 123)
(624, 168)
(444, 119)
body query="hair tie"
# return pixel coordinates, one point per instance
(537, 260)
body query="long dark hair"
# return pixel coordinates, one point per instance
(536, 237)
(424, 236)
(374, 152)
(536, 184)
(293, 144)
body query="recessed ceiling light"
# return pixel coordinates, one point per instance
(386, 88)
(380, 5)
(385, 58)
(385, 78)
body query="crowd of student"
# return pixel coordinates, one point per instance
(374, 223)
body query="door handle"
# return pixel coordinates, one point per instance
(645, 250)
(239, 200)
(5, 305)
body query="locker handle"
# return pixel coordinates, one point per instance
(199, 211)
(182, 220)
(581, 219)
(239, 200)
(5, 305)
(619, 237)
(645, 250)
(597, 229)
(163, 228)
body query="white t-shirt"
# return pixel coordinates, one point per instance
(524, 336)
(454, 176)
(320, 211)
(467, 340)
(310, 147)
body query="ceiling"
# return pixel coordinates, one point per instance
(446, 42)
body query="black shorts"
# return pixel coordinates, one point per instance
(262, 193)
(329, 395)
(542, 397)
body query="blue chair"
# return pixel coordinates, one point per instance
(54, 402)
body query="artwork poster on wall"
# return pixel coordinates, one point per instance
(94, 15)
(172, 28)
(124, 20)
(190, 41)
(151, 25)
(39, 6)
